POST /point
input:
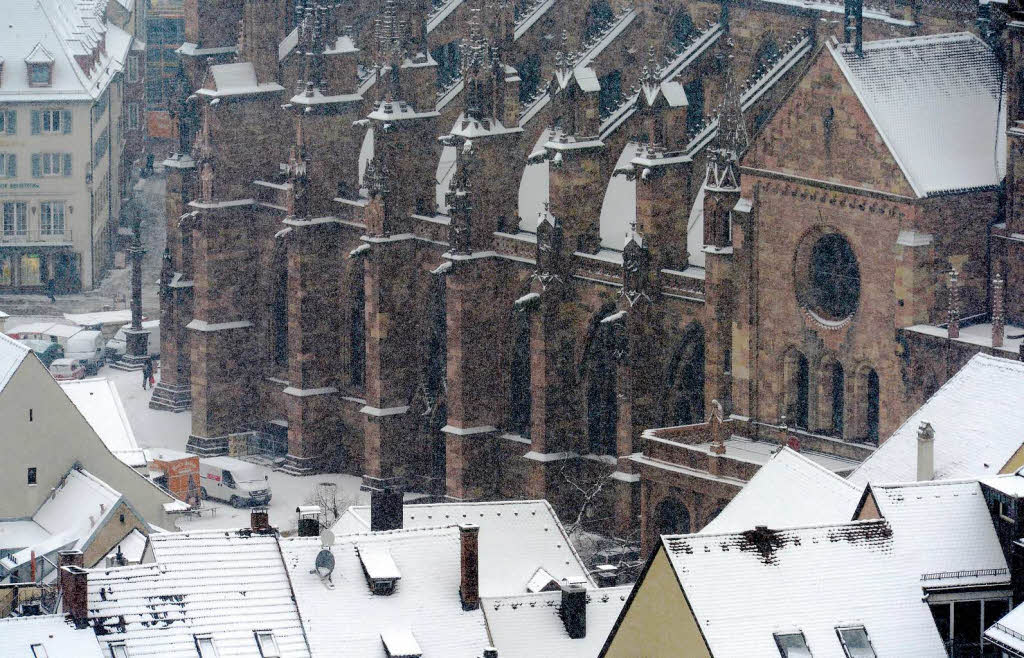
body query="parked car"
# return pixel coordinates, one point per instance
(64, 369)
(86, 347)
(233, 481)
(117, 346)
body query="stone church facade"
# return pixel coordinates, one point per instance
(485, 248)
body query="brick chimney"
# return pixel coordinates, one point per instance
(386, 510)
(998, 322)
(925, 452)
(469, 585)
(574, 610)
(259, 520)
(74, 586)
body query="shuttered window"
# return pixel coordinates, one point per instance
(8, 122)
(8, 165)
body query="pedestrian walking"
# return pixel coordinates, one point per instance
(51, 289)
(147, 373)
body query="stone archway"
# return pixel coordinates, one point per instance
(795, 388)
(672, 517)
(683, 398)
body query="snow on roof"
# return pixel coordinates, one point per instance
(516, 537)
(790, 490)
(695, 229)
(58, 329)
(832, 576)
(124, 316)
(529, 625)
(978, 422)
(936, 102)
(225, 583)
(618, 211)
(98, 400)
(586, 78)
(1008, 632)
(444, 175)
(1011, 484)
(57, 636)
(365, 153)
(55, 32)
(606, 39)
(533, 187)
(950, 531)
(132, 547)
(237, 79)
(12, 353)
(349, 620)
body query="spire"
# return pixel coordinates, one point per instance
(649, 78)
(636, 266)
(298, 198)
(549, 249)
(731, 141)
(475, 53)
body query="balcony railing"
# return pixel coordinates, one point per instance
(34, 236)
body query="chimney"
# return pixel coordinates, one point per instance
(998, 323)
(259, 520)
(309, 520)
(574, 610)
(386, 510)
(925, 452)
(74, 586)
(469, 586)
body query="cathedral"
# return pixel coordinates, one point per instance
(611, 254)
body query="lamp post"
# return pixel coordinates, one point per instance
(136, 338)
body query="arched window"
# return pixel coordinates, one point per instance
(872, 410)
(685, 382)
(681, 28)
(599, 369)
(695, 104)
(838, 383)
(519, 377)
(672, 518)
(279, 310)
(796, 378)
(529, 76)
(599, 16)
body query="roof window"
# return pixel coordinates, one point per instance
(400, 643)
(206, 647)
(39, 651)
(267, 644)
(382, 573)
(855, 642)
(118, 650)
(40, 67)
(792, 645)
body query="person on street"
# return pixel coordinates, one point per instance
(147, 373)
(51, 289)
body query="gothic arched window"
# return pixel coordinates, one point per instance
(672, 518)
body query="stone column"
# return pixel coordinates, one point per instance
(136, 338)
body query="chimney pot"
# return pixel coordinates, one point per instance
(574, 610)
(469, 586)
(925, 452)
(74, 586)
(386, 511)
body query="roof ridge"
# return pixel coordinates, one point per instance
(818, 526)
(925, 483)
(878, 44)
(819, 467)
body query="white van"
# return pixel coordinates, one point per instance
(86, 347)
(118, 345)
(233, 481)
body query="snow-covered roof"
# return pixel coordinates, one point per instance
(132, 547)
(12, 353)
(349, 620)
(57, 636)
(978, 422)
(237, 79)
(533, 187)
(1008, 632)
(225, 583)
(790, 490)
(936, 102)
(529, 625)
(618, 211)
(98, 400)
(948, 529)
(123, 316)
(830, 576)
(56, 32)
(516, 537)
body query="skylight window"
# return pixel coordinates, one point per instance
(39, 651)
(118, 650)
(792, 645)
(206, 647)
(268, 644)
(855, 642)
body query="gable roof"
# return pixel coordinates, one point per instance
(790, 490)
(98, 400)
(227, 583)
(978, 422)
(58, 31)
(59, 637)
(516, 537)
(349, 620)
(930, 516)
(937, 103)
(851, 574)
(530, 625)
(12, 353)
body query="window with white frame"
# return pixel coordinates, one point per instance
(51, 218)
(205, 646)
(39, 651)
(8, 165)
(133, 68)
(52, 121)
(267, 644)
(8, 122)
(51, 164)
(855, 642)
(118, 650)
(15, 218)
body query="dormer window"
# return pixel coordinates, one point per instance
(40, 67)
(380, 569)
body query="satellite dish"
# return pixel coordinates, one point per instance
(324, 563)
(327, 538)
